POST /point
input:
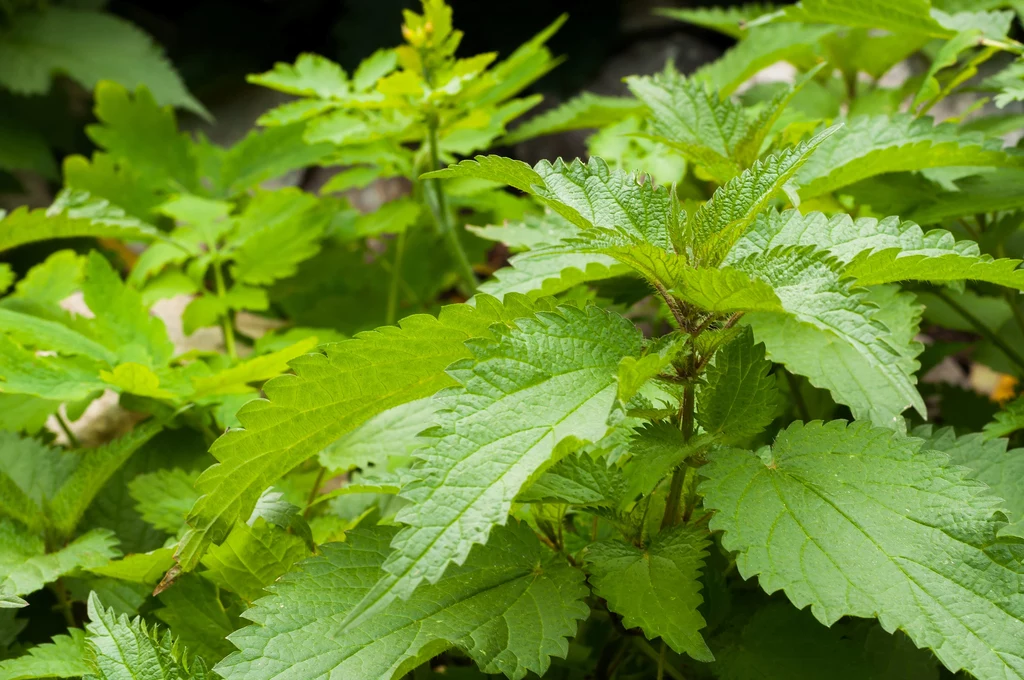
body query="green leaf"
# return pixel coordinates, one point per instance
(831, 334)
(125, 650)
(723, 219)
(74, 214)
(46, 335)
(1007, 421)
(65, 656)
(495, 168)
(30, 473)
(236, 379)
(727, 20)
(94, 468)
(558, 375)
(634, 372)
(311, 76)
(27, 567)
(578, 480)
(993, 191)
(739, 398)
(142, 568)
(87, 46)
(395, 432)
(873, 145)
(366, 375)
(859, 521)
(656, 587)
(544, 272)
(655, 451)
(137, 131)
(582, 112)
(989, 462)
(193, 611)
(164, 497)
(510, 607)
(725, 290)
(252, 558)
(693, 119)
(122, 321)
(906, 16)
(265, 155)
(887, 266)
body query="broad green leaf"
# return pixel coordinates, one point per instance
(727, 215)
(655, 587)
(30, 474)
(65, 656)
(888, 266)
(1007, 421)
(121, 321)
(135, 130)
(578, 480)
(395, 432)
(164, 497)
(859, 521)
(142, 568)
(277, 231)
(873, 145)
(237, 378)
(739, 397)
(126, 650)
(557, 372)
(365, 376)
(989, 462)
(74, 214)
(946, 56)
(27, 567)
(510, 607)
(582, 112)
(193, 611)
(533, 231)
(87, 46)
(252, 557)
(831, 334)
(95, 467)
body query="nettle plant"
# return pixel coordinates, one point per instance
(700, 367)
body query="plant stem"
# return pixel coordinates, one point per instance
(661, 662)
(647, 649)
(798, 396)
(226, 323)
(443, 218)
(982, 329)
(313, 492)
(1018, 314)
(679, 475)
(72, 439)
(64, 603)
(396, 278)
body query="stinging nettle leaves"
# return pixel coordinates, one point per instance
(558, 372)
(857, 521)
(509, 607)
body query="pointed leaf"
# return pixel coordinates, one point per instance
(656, 588)
(739, 397)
